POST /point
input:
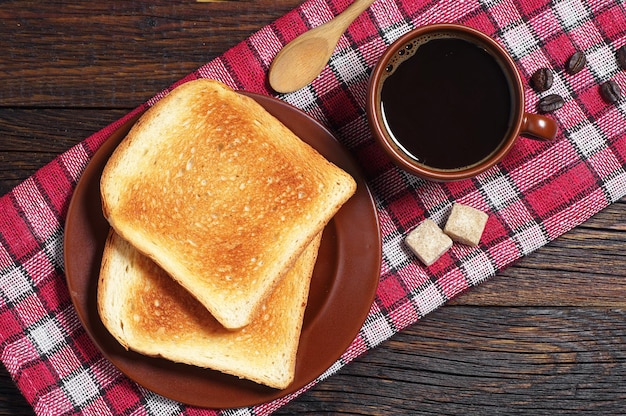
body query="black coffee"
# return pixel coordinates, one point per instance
(447, 102)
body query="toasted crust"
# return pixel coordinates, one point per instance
(220, 194)
(148, 312)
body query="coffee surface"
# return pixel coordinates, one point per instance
(448, 104)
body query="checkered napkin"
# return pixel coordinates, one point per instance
(538, 192)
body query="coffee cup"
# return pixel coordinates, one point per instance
(446, 102)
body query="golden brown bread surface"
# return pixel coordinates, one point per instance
(148, 312)
(220, 194)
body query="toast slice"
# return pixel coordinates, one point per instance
(220, 194)
(150, 313)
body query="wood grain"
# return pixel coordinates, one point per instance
(123, 51)
(545, 336)
(540, 361)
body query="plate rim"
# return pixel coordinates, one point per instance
(263, 394)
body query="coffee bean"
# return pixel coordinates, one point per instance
(576, 63)
(621, 57)
(610, 91)
(550, 103)
(542, 79)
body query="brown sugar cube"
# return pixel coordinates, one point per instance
(466, 224)
(428, 242)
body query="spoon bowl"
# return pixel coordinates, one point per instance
(302, 59)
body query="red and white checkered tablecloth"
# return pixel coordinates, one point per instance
(538, 192)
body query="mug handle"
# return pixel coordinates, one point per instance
(538, 127)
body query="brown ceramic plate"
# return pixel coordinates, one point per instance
(342, 290)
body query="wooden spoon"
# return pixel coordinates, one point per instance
(302, 59)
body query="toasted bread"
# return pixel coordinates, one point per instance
(150, 313)
(220, 194)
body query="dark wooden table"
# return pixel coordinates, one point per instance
(545, 336)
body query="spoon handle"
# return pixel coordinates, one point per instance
(352, 12)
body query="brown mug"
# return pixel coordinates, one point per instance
(446, 102)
